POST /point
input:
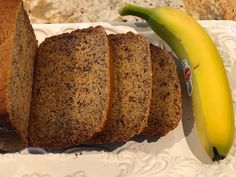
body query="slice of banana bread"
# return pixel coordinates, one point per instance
(166, 105)
(17, 51)
(71, 92)
(132, 89)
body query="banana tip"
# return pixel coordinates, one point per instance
(216, 155)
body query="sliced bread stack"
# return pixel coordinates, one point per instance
(74, 101)
(90, 88)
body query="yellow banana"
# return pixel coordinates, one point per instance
(212, 102)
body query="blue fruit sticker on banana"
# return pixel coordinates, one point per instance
(187, 76)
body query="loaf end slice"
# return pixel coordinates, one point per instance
(166, 105)
(17, 51)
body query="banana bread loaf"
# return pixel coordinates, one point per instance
(17, 50)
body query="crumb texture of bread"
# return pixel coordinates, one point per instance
(17, 51)
(131, 90)
(166, 104)
(71, 92)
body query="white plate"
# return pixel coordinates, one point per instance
(176, 155)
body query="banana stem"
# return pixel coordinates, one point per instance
(129, 9)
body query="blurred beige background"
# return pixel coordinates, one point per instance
(61, 11)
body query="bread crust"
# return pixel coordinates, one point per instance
(14, 54)
(8, 15)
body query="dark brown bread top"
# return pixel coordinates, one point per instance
(71, 93)
(166, 106)
(132, 88)
(17, 50)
